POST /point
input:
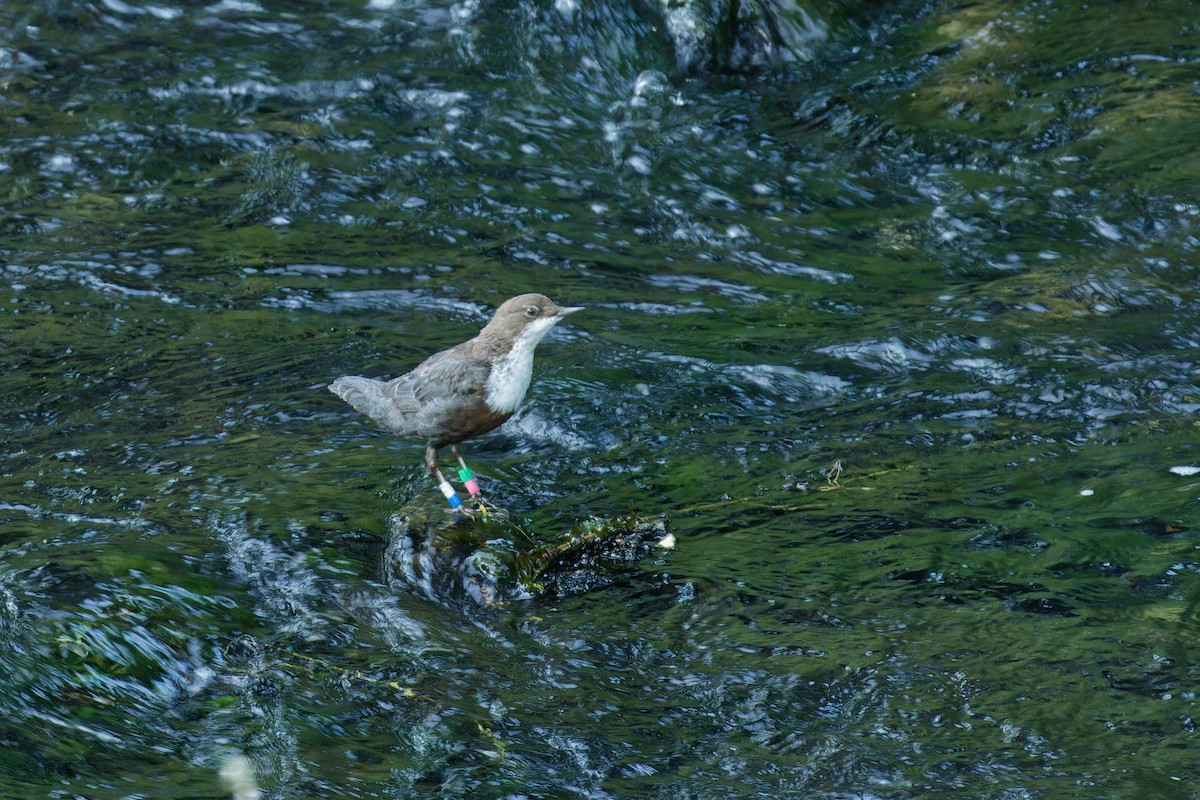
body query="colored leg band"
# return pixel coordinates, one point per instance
(469, 481)
(450, 495)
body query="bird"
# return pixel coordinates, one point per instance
(464, 391)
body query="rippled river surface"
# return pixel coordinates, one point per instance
(892, 318)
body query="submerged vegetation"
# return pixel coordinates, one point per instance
(891, 330)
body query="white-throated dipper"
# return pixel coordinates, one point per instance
(462, 392)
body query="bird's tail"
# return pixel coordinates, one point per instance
(365, 394)
(370, 397)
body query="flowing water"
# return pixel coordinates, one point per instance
(892, 321)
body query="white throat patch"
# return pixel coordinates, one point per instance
(510, 377)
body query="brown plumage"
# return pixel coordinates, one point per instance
(465, 391)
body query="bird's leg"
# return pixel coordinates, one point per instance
(468, 478)
(442, 484)
(464, 473)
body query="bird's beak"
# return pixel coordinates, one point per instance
(566, 312)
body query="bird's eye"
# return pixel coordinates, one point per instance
(531, 311)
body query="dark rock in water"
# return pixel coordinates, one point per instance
(491, 560)
(741, 35)
(584, 559)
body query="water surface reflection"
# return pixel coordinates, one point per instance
(891, 315)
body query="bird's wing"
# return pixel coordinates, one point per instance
(453, 373)
(400, 392)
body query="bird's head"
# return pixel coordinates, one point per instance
(525, 319)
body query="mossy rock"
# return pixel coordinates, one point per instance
(492, 560)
